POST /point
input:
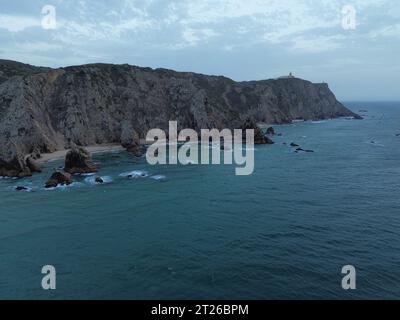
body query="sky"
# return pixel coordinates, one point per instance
(354, 46)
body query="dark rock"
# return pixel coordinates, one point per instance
(294, 145)
(271, 131)
(33, 165)
(130, 140)
(79, 160)
(12, 161)
(99, 180)
(265, 140)
(303, 150)
(35, 154)
(21, 188)
(259, 136)
(136, 149)
(59, 178)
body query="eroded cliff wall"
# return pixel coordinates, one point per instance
(45, 110)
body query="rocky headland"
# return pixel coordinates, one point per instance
(44, 110)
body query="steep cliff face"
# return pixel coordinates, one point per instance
(46, 110)
(10, 69)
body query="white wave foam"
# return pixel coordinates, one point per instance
(158, 177)
(87, 174)
(92, 180)
(26, 189)
(65, 187)
(376, 144)
(135, 174)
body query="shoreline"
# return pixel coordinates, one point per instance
(60, 154)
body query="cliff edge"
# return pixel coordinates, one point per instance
(44, 110)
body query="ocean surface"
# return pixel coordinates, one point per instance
(201, 232)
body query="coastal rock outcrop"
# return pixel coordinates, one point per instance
(58, 178)
(271, 131)
(46, 109)
(12, 162)
(79, 160)
(130, 140)
(259, 136)
(32, 164)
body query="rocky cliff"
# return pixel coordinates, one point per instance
(43, 110)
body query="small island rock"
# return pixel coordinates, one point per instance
(79, 160)
(59, 178)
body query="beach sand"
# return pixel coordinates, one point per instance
(60, 154)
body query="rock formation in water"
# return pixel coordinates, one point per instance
(44, 110)
(79, 160)
(99, 180)
(58, 178)
(271, 131)
(259, 136)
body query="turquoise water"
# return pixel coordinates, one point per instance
(200, 232)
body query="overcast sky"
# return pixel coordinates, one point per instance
(241, 39)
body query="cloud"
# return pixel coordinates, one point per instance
(317, 44)
(16, 23)
(392, 31)
(194, 37)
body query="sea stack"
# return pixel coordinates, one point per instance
(58, 178)
(259, 136)
(78, 161)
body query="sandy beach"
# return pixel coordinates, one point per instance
(60, 154)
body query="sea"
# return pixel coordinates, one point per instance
(202, 232)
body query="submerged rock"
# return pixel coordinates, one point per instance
(59, 178)
(294, 144)
(99, 180)
(304, 150)
(79, 160)
(21, 188)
